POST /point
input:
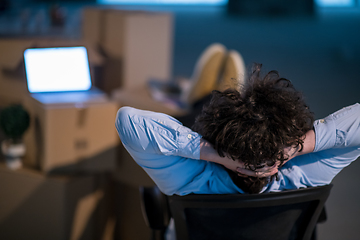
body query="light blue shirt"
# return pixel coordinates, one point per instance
(170, 153)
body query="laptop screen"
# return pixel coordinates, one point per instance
(58, 69)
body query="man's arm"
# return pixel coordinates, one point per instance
(339, 130)
(148, 135)
(170, 153)
(337, 144)
(208, 153)
(333, 145)
(291, 152)
(308, 146)
(155, 134)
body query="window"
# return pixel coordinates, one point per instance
(335, 3)
(159, 2)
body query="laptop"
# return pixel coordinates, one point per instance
(60, 75)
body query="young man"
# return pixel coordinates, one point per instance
(261, 140)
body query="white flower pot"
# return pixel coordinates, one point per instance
(13, 153)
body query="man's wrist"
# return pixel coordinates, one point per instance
(207, 152)
(309, 143)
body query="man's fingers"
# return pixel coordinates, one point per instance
(263, 172)
(242, 175)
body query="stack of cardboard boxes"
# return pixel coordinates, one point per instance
(71, 148)
(62, 139)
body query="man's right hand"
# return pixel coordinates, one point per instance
(291, 152)
(208, 153)
(265, 171)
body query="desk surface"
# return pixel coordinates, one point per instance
(140, 98)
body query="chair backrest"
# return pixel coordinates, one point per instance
(233, 75)
(206, 73)
(154, 207)
(283, 215)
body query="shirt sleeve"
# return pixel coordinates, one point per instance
(339, 130)
(156, 134)
(337, 145)
(167, 151)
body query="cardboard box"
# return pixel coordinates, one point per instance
(35, 206)
(72, 137)
(138, 44)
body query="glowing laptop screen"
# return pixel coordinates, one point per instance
(57, 69)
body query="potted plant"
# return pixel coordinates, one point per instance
(14, 121)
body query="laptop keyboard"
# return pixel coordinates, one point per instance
(70, 97)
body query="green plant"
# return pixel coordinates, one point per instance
(14, 121)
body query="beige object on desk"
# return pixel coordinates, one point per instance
(206, 74)
(233, 75)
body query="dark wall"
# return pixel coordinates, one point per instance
(271, 7)
(14, 4)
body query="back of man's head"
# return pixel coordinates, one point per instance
(255, 126)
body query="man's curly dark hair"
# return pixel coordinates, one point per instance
(255, 126)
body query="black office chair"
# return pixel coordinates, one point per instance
(284, 215)
(155, 209)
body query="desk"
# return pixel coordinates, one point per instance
(140, 98)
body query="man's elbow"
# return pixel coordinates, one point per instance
(123, 120)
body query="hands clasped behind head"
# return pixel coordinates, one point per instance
(256, 124)
(260, 171)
